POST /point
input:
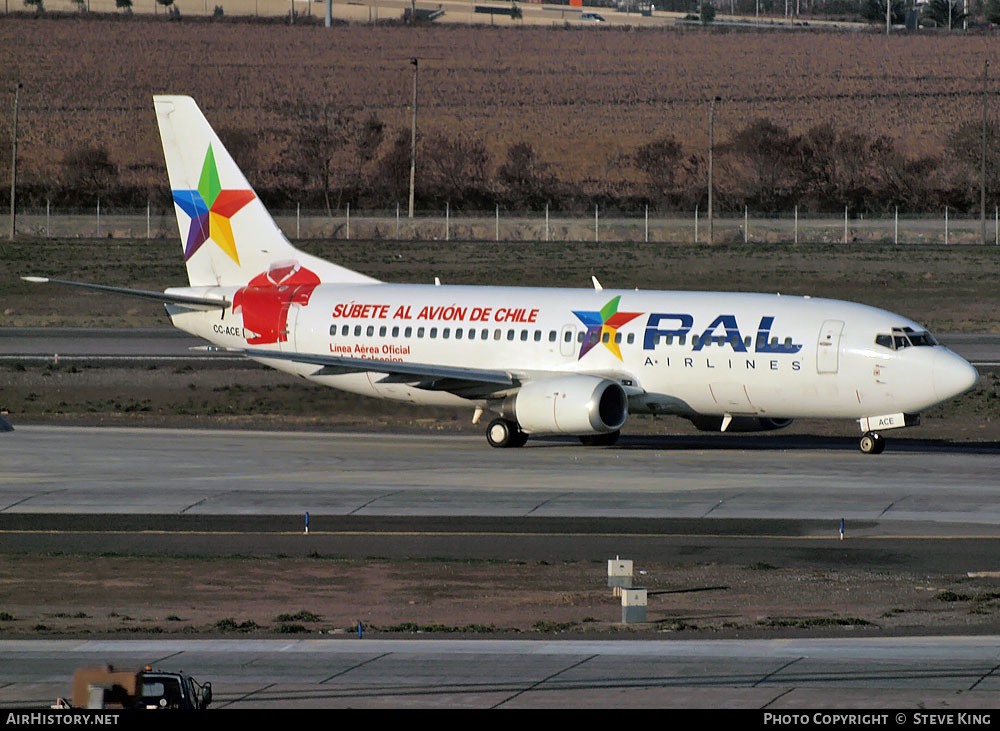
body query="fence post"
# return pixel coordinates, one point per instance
(696, 223)
(98, 218)
(397, 221)
(596, 237)
(845, 224)
(997, 214)
(348, 220)
(498, 222)
(447, 221)
(746, 224)
(647, 224)
(946, 225)
(147, 219)
(48, 224)
(895, 228)
(546, 221)
(795, 234)
(298, 213)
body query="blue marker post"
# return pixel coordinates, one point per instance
(307, 523)
(360, 631)
(841, 529)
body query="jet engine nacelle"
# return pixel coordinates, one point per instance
(739, 423)
(569, 405)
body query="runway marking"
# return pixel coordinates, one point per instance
(544, 680)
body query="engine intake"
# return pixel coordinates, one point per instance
(569, 405)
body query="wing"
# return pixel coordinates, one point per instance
(464, 382)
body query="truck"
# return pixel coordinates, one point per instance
(103, 686)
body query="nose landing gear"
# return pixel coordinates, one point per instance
(872, 443)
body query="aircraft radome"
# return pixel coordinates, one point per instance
(545, 360)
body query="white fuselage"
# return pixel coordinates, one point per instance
(686, 353)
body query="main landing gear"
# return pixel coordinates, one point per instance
(502, 433)
(872, 443)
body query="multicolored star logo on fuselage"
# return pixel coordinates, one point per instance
(210, 208)
(608, 320)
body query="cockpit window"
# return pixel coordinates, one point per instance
(905, 337)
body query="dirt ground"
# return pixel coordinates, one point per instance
(239, 596)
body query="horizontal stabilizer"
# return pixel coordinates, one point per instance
(176, 299)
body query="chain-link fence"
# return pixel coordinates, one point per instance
(502, 225)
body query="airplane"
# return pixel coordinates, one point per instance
(544, 361)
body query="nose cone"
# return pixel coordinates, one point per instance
(952, 375)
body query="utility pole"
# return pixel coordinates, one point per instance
(982, 162)
(711, 154)
(13, 165)
(413, 136)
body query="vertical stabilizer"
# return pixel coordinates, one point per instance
(227, 235)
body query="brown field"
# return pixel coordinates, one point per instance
(586, 98)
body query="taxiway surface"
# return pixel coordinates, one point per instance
(945, 673)
(73, 470)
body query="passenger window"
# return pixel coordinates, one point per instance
(746, 341)
(408, 332)
(370, 331)
(485, 334)
(434, 332)
(552, 336)
(631, 338)
(618, 337)
(381, 332)
(496, 334)
(524, 336)
(458, 333)
(395, 331)
(357, 330)
(681, 339)
(420, 332)
(569, 336)
(333, 329)
(594, 337)
(446, 333)
(345, 329)
(538, 336)
(605, 337)
(694, 340)
(579, 337)
(510, 334)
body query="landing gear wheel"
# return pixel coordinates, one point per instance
(872, 443)
(502, 433)
(600, 440)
